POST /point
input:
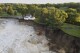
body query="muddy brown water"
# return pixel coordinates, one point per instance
(19, 37)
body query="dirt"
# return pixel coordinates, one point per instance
(62, 42)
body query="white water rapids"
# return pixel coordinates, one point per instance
(20, 38)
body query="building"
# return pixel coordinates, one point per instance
(29, 17)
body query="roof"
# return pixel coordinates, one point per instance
(29, 17)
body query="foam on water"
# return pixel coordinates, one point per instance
(16, 38)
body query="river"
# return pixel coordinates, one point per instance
(21, 38)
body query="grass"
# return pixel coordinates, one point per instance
(4, 14)
(71, 29)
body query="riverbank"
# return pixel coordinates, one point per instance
(59, 41)
(11, 17)
(62, 42)
(56, 41)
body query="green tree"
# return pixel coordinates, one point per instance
(73, 16)
(32, 9)
(41, 14)
(10, 10)
(56, 17)
(77, 19)
(0, 10)
(51, 16)
(21, 8)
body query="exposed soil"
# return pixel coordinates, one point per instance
(62, 42)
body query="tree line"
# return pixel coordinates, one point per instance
(50, 15)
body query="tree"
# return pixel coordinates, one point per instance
(77, 19)
(10, 10)
(21, 8)
(52, 16)
(41, 14)
(0, 10)
(32, 9)
(56, 17)
(38, 14)
(73, 16)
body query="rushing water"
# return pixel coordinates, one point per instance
(20, 38)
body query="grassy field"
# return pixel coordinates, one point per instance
(71, 29)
